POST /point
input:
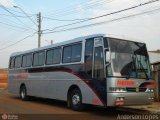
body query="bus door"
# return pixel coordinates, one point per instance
(98, 60)
(98, 75)
(94, 65)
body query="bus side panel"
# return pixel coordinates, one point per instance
(13, 84)
(63, 85)
(55, 85)
(52, 84)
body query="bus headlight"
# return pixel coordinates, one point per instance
(150, 90)
(118, 89)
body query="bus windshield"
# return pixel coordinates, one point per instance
(129, 59)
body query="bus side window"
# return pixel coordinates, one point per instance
(24, 61)
(12, 63)
(76, 53)
(41, 58)
(38, 59)
(29, 60)
(49, 58)
(35, 59)
(72, 53)
(18, 62)
(56, 56)
(53, 56)
(67, 54)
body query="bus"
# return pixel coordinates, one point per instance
(96, 70)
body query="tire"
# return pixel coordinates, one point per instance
(76, 100)
(23, 93)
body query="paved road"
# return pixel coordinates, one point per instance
(55, 110)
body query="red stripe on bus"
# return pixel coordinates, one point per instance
(149, 84)
(85, 81)
(22, 75)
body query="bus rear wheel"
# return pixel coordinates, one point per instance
(23, 93)
(76, 100)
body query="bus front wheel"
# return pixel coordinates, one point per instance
(76, 100)
(23, 93)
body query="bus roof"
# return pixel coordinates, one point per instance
(66, 42)
(58, 44)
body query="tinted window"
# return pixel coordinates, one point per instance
(18, 62)
(76, 53)
(53, 56)
(49, 57)
(67, 54)
(98, 63)
(105, 43)
(56, 56)
(12, 62)
(72, 53)
(89, 56)
(38, 58)
(24, 60)
(41, 58)
(35, 59)
(29, 60)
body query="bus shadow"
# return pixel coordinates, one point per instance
(93, 110)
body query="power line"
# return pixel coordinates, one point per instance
(104, 22)
(59, 11)
(5, 42)
(15, 11)
(4, 8)
(15, 16)
(86, 6)
(14, 26)
(108, 14)
(61, 19)
(26, 15)
(76, 10)
(90, 4)
(18, 41)
(9, 21)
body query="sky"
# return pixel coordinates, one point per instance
(144, 27)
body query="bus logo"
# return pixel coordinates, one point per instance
(125, 83)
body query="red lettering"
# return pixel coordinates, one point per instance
(126, 83)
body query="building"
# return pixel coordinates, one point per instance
(155, 62)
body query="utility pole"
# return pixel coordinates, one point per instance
(39, 20)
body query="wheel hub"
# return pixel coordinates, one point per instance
(23, 94)
(75, 99)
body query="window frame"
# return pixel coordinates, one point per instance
(63, 58)
(18, 65)
(26, 55)
(44, 58)
(12, 60)
(52, 50)
(71, 45)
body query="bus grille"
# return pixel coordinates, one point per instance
(136, 89)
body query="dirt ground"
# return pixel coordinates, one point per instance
(47, 109)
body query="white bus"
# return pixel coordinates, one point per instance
(95, 69)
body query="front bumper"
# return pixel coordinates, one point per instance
(141, 98)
